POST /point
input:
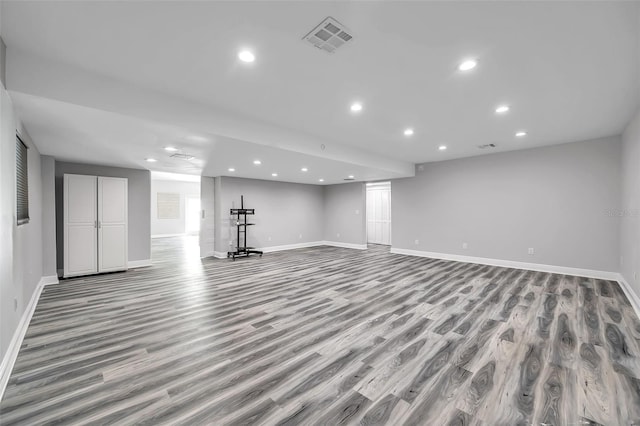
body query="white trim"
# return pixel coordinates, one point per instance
(345, 245)
(169, 235)
(292, 246)
(132, 264)
(631, 294)
(11, 354)
(51, 279)
(220, 254)
(605, 275)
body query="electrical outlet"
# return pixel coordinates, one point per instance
(338, 235)
(635, 276)
(531, 251)
(417, 242)
(357, 211)
(268, 238)
(465, 246)
(300, 236)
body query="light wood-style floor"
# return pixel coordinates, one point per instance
(327, 336)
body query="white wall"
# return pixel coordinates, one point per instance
(284, 211)
(630, 206)
(20, 246)
(345, 213)
(553, 199)
(160, 227)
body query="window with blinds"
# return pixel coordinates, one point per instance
(22, 181)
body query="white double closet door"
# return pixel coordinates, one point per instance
(95, 224)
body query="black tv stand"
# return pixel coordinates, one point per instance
(241, 228)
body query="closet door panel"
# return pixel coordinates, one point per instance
(112, 224)
(80, 221)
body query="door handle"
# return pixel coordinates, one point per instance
(99, 224)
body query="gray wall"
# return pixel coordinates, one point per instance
(345, 213)
(207, 218)
(21, 259)
(284, 211)
(553, 199)
(630, 206)
(3, 62)
(48, 172)
(139, 205)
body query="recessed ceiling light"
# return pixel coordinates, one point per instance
(304, 169)
(408, 132)
(150, 160)
(442, 147)
(246, 56)
(231, 169)
(521, 134)
(468, 65)
(356, 107)
(502, 109)
(274, 174)
(320, 180)
(170, 148)
(351, 176)
(257, 162)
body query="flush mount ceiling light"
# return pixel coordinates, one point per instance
(231, 169)
(356, 107)
(408, 132)
(442, 147)
(502, 109)
(257, 162)
(304, 169)
(274, 174)
(320, 180)
(246, 56)
(351, 177)
(521, 134)
(467, 65)
(170, 149)
(150, 160)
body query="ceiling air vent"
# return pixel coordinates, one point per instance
(182, 156)
(329, 35)
(487, 145)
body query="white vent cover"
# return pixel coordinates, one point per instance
(488, 145)
(329, 35)
(182, 156)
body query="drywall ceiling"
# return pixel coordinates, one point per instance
(568, 70)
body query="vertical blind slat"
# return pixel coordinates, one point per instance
(22, 181)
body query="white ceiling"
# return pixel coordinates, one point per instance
(117, 81)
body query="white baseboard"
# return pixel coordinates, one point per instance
(291, 246)
(10, 356)
(345, 245)
(589, 273)
(631, 294)
(51, 279)
(132, 264)
(220, 254)
(167, 235)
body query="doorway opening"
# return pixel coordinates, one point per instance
(175, 217)
(379, 213)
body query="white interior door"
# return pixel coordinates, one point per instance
(112, 224)
(379, 213)
(80, 223)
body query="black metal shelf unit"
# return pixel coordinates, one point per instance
(241, 228)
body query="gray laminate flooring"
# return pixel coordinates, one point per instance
(327, 336)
